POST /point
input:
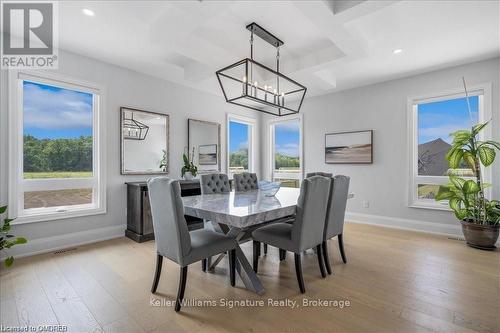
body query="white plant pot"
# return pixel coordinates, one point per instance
(188, 175)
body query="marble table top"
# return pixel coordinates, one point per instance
(242, 209)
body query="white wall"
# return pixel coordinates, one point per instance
(124, 88)
(383, 108)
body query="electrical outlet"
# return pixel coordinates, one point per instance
(366, 204)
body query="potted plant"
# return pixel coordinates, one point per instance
(163, 162)
(480, 217)
(8, 240)
(189, 170)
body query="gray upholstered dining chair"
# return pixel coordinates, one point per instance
(334, 226)
(215, 183)
(324, 174)
(174, 241)
(245, 181)
(306, 231)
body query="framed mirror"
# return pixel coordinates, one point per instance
(204, 137)
(144, 142)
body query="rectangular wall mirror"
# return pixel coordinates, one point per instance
(144, 142)
(204, 137)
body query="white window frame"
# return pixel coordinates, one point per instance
(272, 139)
(484, 93)
(251, 122)
(18, 185)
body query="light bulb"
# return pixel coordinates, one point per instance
(244, 79)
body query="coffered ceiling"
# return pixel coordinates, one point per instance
(329, 45)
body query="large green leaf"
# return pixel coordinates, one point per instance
(455, 159)
(477, 128)
(471, 187)
(470, 160)
(461, 134)
(186, 159)
(9, 261)
(461, 214)
(3, 209)
(455, 204)
(486, 155)
(491, 143)
(6, 227)
(457, 182)
(21, 240)
(444, 193)
(461, 137)
(451, 152)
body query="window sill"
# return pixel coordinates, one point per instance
(429, 205)
(44, 217)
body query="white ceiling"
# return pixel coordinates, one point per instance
(329, 45)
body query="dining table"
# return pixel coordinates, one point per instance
(238, 213)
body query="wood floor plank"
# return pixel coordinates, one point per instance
(66, 304)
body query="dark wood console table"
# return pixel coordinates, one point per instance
(139, 221)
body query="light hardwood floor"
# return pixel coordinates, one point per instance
(395, 281)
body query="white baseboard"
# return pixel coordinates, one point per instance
(453, 230)
(54, 243)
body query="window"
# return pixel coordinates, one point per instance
(286, 151)
(240, 144)
(432, 119)
(56, 163)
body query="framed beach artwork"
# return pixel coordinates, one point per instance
(207, 155)
(349, 147)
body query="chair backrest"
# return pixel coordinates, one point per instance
(170, 227)
(215, 183)
(324, 174)
(245, 181)
(312, 205)
(339, 190)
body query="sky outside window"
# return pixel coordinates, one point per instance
(51, 112)
(238, 136)
(287, 138)
(439, 119)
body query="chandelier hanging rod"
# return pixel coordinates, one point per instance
(264, 34)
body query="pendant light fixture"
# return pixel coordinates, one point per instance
(253, 85)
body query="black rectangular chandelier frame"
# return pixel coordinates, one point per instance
(247, 88)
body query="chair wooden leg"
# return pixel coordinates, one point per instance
(256, 247)
(341, 246)
(204, 265)
(282, 254)
(326, 257)
(156, 279)
(182, 287)
(265, 248)
(298, 271)
(319, 252)
(232, 267)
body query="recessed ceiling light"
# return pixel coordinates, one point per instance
(397, 51)
(88, 12)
